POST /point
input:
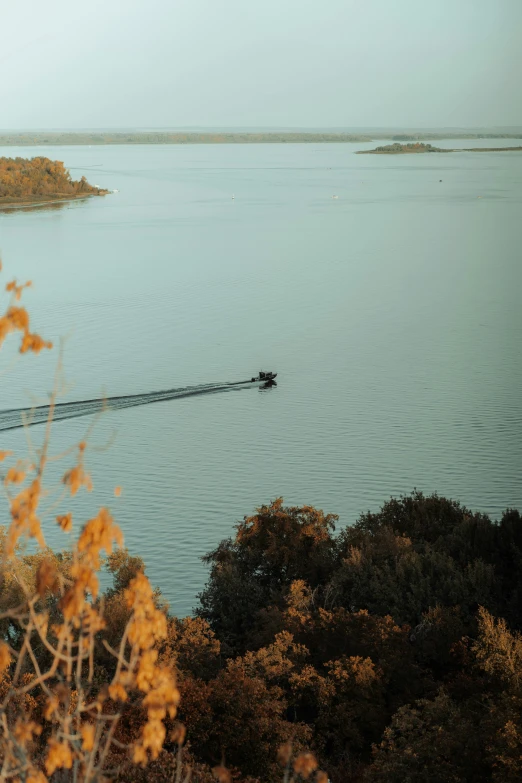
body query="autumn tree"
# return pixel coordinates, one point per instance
(271, 549)
(463, 734)
(432, 741)
(419, 552)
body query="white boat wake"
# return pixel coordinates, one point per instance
(20, 417)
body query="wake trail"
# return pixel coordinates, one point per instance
(19, 417)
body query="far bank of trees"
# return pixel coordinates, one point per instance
(35, 179)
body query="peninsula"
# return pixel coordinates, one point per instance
(35, 181)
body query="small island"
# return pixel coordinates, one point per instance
(36, 181)
(407, 149)
(402, 149)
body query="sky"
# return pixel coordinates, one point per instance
(260, 63)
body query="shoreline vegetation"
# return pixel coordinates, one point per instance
(419, 148)
(62, 138)
(37, 181)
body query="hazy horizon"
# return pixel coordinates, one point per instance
(339, 64)
(264, 129)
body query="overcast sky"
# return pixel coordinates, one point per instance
(260, 63)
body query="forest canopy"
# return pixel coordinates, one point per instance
(24, 180)
(393, 649)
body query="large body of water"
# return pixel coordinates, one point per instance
(391, 313)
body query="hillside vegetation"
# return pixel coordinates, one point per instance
(24, 180)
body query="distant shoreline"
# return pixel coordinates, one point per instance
(489, 149)
(61, 138)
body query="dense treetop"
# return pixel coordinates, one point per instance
(381, 642)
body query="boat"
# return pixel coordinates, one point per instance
(264, 377)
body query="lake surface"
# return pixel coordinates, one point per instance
(391, 313)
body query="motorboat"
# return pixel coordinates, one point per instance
(264, 377)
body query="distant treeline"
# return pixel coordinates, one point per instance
(269, 137)
(451, 135)
(39, 179)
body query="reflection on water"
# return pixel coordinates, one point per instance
(391, 315)
(49, 205)
(42, 206)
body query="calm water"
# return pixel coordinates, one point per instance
(391, 313)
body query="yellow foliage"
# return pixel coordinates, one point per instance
(63, 682)
(305, 764)
(99, 533)
(59, 756)
(178, 733)
(24, 519)
(36, 776)
(148, 624)
(46, 577)
(24, 730)
(222, 775)
(117, 692)
(87, 731)
(75, 478)
(5, 656)
(65, 522)
(284, 753)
